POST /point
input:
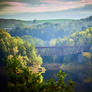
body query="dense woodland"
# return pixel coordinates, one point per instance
(83, 39)
(41, 32)
(18, 56)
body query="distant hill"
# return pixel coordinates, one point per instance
(45, 30)
(7, 23)
(4, 23)
(87, 19)
(55, 20)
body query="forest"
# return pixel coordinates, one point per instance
(17, 58)
(39, 32)
(24, 68)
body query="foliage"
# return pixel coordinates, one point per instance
(53, 42)
(77, 38)
(21, 79)
(44, 30)
(32, 40)
(18, 56)
(87, 54)
(12, 46)
(83, 39)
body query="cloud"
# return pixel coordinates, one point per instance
(70, 0)
(34, 6)
(85, 8)
(75, 13)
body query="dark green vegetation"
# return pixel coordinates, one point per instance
(44, 31)
(25, 52)
(84, 39)
(21, 59)
(77, 39)
(17, 58)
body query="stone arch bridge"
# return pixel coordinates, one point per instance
(59, 51)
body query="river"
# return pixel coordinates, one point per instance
(81, 74)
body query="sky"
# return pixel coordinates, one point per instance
(45, 9)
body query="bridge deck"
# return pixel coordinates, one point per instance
(59, 51)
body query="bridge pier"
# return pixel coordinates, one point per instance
(80, 57)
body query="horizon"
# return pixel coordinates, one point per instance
(45, 19)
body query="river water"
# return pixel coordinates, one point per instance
(81, 74)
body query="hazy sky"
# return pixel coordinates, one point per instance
(45, 9)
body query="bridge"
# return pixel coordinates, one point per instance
(59, 51)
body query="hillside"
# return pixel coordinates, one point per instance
(43, 31)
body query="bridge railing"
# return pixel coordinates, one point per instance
(59, 51)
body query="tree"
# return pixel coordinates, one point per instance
(87, 56)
